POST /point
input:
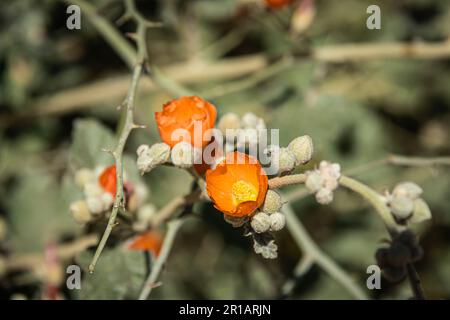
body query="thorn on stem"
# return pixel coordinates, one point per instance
(138, 126)
(124, 18)
(132, 35)
(108, 151)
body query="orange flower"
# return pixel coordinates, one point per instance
(237, 185)
(149, 241)
(108, 180)
(277, 4)
(183, 113)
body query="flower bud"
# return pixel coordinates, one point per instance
(277, 221)
(324, 196)
(143, 148)
(272, 202)
(260, 222)
(268, 251)
(150, 157)
(407, 189)
(286, 161)
(236, 222)
(144, 216)
(3, 229)
(302, 148)
(282, 158)
(184, 155)
(314, 181)
(146, 212)
(229, 123)
(80, 212)
(107, 200)
(92, 189)
(83, 176)
(250, 120)
(401, 207)
(95, 204)
(421, 211)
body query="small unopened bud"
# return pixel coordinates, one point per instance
(277, 221)
(143, 148)
(236, 222)
(421, 211)
(184, 155)
(286, 160)
(146, 213)
(84, 176)
(92, 189)
(249, 120)
(229, 122)
(150, 157)
(95, 204)
(324, 196)
(314, 181)
(107, 200)
(80, 212)
(331, 173)
(260, 222)
(3, 229)
(144, 216)
(407, 189)
(268, 251)
(302, 148)
(282, 158)
(272, 202)
(401, 207)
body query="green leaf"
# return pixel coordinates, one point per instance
(120, 274)
(39, 212)
(90, 138)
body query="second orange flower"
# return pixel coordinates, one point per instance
(184, 114)
(238, 185)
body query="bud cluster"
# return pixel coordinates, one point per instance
(245, 130)
(97, 200)
(298, 152)
(406, 205)
(259, 225)
(182, 155)
(323, 181)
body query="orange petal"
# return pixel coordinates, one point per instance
(149, 241)
(108, 180)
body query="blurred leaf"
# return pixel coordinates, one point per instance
(120, 274)
(90, 138)
(39, 212)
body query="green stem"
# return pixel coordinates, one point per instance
(310, 248)
(173, 227)
(374, 199)
(117, 153)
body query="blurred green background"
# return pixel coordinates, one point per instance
(59, 90)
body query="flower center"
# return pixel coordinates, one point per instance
(243, 191)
